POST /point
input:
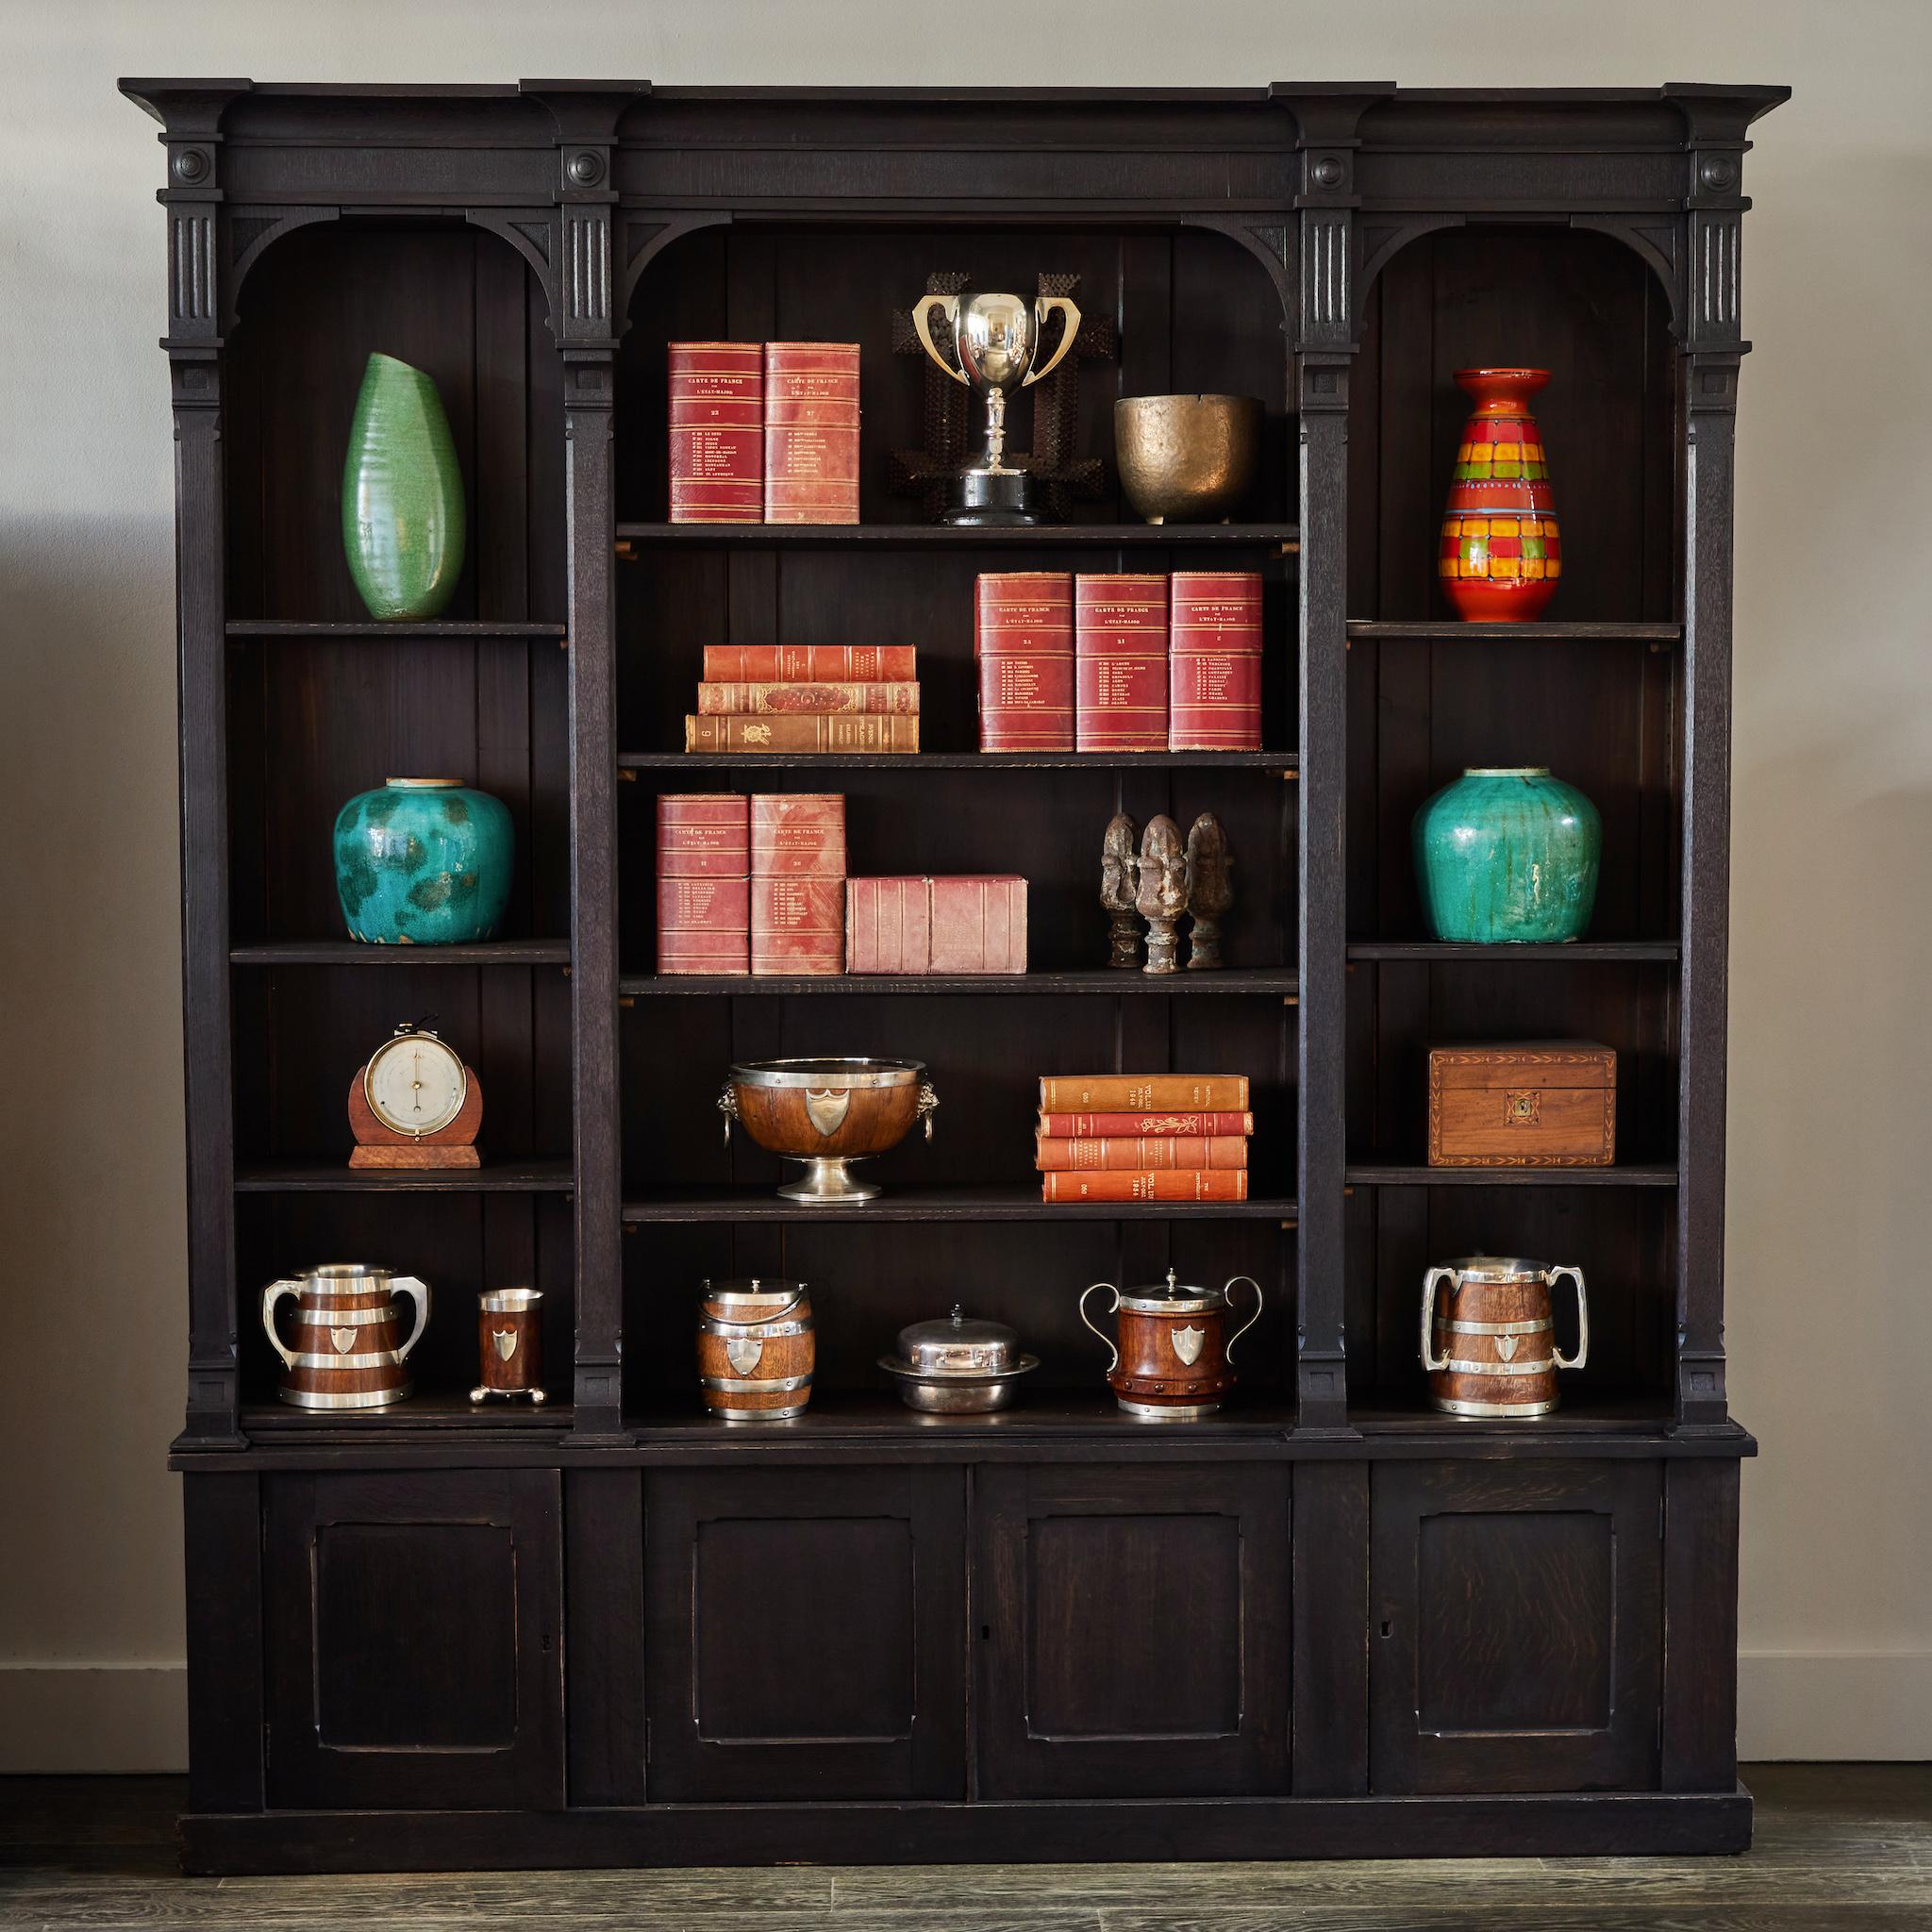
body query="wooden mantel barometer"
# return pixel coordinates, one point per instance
(414, 1104)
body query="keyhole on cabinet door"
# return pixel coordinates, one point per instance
(985, 1633)
(1387, 1626)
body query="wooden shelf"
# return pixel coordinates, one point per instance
(1408, 1174)
(1449, 630)
(431, 1411)
(871, 1415)
(1281, 981)
(1282, 761)
(1632, 1414)
(455, 630)
(326, 1177)
(895, 1202)
(1285, 537)
(353, 953)
(1442, 953)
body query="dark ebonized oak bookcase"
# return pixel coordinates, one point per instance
(1325, 1623)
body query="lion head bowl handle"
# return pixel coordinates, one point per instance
(928, 1102)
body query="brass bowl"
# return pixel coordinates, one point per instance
(1189, 458)
(828, 1113)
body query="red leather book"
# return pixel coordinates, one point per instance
(797, 925)
(1157, 1184)
(978, 923)
(800, 663)
(704, 926)
(888, 924)
(812, 432)
(801, 732)
(1070, 1126)
(1137, 1156)
(703, 835)
(768, 700)
(717, 432)
(1214, 661)
(798, 835)
(1022, 638)
(1144, 1093)
(1120, 674)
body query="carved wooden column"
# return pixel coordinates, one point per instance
(191, 119)
(1713, 346)
(587, 117)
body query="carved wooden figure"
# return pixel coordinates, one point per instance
(1210, 891)
(1163, 895)
(1119, 884)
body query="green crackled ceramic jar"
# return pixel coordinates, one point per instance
(402, 495)
(423, 863)
(1507, 854)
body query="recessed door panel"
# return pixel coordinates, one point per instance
(1133, 1630)
(1518, 1626)
(413, 1636)
(807, 1634)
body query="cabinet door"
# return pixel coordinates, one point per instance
(1517, 1625)
(413, 1640)
(805, 1633)
(1135, 1630)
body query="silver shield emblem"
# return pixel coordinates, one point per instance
(344, 1339)
(826, 1108)
(744, 1356)
(1187, 1344)
(506, 1340)
(1505, 1347)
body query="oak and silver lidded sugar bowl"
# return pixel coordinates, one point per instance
(957, 1366)
(1172, 1361)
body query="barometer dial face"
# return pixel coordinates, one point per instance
(415, 1085)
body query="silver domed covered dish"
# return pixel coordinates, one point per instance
(957, 1366)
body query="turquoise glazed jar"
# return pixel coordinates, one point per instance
(1507, 854)
(402, 495)
(423, 863)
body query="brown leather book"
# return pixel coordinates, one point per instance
(801, 733)
(812, 432)
(717, 432)
(1072, 1127)
(816, 699)
(803, 663)
(1110, 1155)
(1120, 661)
(797, 925)
(1022, 641)
(1138, 1092)
(1181, 1184)
(1214, 661)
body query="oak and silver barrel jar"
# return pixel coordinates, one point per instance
(756, 1349)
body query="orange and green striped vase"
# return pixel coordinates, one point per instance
(1500, 557)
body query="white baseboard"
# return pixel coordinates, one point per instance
(94, 1716)
(1791, 1705)
(1835, 1705)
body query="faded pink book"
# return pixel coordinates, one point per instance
(797, 925)
(798, 834)
(888, 924)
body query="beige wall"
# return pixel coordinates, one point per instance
(1831, 1089)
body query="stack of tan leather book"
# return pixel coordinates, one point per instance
(1143, 1137)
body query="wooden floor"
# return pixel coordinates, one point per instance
(1841, 1848)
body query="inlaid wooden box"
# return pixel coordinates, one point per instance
(1539, 1103)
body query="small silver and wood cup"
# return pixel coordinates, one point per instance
(996, 339)
(510, 1339)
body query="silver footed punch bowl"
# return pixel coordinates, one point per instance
(828, 1113)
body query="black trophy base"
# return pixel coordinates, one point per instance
(981, 498)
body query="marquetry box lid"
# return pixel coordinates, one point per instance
(1526, 1103)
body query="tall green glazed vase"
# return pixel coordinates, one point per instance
(1507, 854)
(402, 495)
(423, 863)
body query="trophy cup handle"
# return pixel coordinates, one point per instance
(269, 1296)
(951, 305)
(1044, 306)
(727, 1106)
(1582, 1355)
(418, 1293)
(1260, 1302)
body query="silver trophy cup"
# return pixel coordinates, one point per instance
(996, 339)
